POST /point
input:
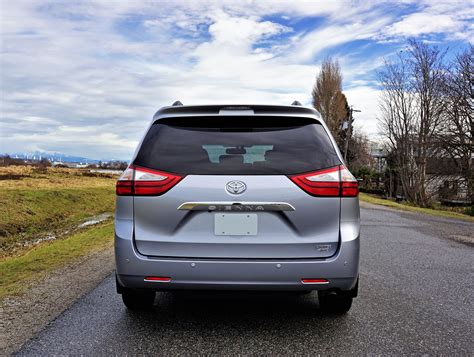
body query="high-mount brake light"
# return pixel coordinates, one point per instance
(332, 182)
(141, 181)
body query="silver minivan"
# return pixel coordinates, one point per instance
(227, 197)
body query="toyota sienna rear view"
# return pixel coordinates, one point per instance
(237, 198)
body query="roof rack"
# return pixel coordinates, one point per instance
(177, 104)
(297, 103)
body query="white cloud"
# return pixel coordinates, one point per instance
(424, 23)
(86, 77)
(451, 18)
(316, 41)
(365, 99)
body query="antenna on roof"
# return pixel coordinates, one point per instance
(296, 103)
(177, 104)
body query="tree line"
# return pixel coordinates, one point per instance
(426, 117)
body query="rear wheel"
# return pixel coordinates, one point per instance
(134, 300)
(333, 303)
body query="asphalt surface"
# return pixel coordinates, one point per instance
(416, 297)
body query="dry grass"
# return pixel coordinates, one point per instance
(36, 203)
(21, 177)
(17, 272)
(406, 207)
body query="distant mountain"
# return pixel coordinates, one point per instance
(38, 155)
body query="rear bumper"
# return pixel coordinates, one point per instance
(341, 271)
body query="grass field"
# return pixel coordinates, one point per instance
(16, 272)
(406, 207)
(41, 215)
(36, 204)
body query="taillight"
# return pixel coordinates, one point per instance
(124, 186)
(349, 184)
(333, 182)
(149, 182)
(140, 181)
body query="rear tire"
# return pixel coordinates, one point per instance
(134, 300)
(334, 304)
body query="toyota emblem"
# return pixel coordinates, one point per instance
(235, 187)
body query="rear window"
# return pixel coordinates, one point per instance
(237, 146)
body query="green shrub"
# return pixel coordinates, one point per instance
(469, 210)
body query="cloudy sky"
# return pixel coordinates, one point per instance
(85, 77)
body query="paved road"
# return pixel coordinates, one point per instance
(416, 297)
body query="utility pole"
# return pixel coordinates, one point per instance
(349, 131)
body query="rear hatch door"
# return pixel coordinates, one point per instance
(236, 199)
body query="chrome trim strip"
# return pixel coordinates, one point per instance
(230, 206)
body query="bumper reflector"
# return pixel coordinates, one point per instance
(315, 281)
(157, 279)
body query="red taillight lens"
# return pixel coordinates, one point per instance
(333, 182)
(159, 279)
(350, 189)
(149, 182)
(314, 281)
(325, 183)
(349, 184)
(140, 181)
(124, 188)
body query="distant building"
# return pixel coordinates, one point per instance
(379, 156)
(72, 165)
(444, 181)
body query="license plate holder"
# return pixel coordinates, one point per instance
(236, 224)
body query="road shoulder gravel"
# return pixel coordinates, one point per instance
(21, 317)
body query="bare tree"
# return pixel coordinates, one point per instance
(358, 155)
(398, 121)
(457, 137)
(412, 112)
(328, 98)
(428, 77)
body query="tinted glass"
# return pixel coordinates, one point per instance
(237, 146)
